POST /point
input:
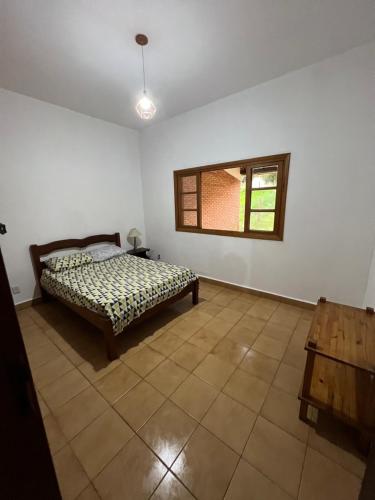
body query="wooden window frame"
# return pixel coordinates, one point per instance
(281, 160)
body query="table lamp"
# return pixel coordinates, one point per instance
(134, 233)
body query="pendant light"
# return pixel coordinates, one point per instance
(145, 107)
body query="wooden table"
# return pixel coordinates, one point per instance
(340, 367)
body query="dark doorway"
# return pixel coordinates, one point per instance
(27, 470)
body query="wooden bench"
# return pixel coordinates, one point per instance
(339, 375)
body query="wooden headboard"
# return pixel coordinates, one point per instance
(37, 251)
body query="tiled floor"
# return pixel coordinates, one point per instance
(201, 404)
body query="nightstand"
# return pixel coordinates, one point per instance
(139, 252)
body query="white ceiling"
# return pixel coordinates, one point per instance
(81, 54)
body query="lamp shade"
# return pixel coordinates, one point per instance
(134, 233)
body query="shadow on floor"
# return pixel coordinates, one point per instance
(80, 341)
(337, 433)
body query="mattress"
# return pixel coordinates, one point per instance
(121, 288)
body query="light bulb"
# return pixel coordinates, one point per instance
(145, 108)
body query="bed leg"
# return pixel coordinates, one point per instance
(45, 296)
(110, 344)
(195, 292)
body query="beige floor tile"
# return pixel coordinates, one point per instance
(205, 339)
(171, 489)
(188, 356)
(184, 329)
(230, 351)
(144, 361)
(99, 442)
(240, 305)
(229, 315)
(289, 379)
(42, 354)
(38, 318)
(154, 335)
(295, 356)
(270, 347)
(167, 432)
(70, 474)
(262, 310)
(98, 367)
(24, 318)
(205, 465)
(249, 484)
(325, 480)
(254, 324)
(74, 356)
(64, 388)
(278, 332)
(80, 411)
(137, 406)
(133, 474)
(214, 371)
(56, 438)
(219, 326)
(129, 350)
(308, 312)
(298, 340)
(276, 454)
(194, 396)
(206, 294)
(337, 442)
(248, 297)
(223, 298)
(260, 365)
(88, 493)
(117, 383)
(210, 308)
(51, 371)
(282, 409)
(44, 410)
(230, 421)
(34, 338)
(285, 316)
(303, 327)
(61, 339)
(167, 377)
(242, 335)
(198, 316)
(247, 389)
(167, 343)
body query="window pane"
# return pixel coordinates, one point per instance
(189, 183)
(263, 199)
(189, 201)
(189, 218)
(262, 221)
(264, 177)
(223, 199)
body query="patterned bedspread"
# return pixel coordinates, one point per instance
(122, 288)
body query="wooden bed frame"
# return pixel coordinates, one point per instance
(104, 324)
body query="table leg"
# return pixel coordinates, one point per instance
(306, 385)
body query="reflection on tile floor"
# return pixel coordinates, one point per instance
(201, 404)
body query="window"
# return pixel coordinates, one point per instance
(242, 198)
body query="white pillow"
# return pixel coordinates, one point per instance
(106, 252)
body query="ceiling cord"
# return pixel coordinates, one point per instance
(144, 73)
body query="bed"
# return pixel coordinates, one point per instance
(116, 293)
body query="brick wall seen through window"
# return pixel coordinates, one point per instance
(242, 198)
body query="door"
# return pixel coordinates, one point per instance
(26, 469)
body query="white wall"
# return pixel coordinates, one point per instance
(323, 115)
(370, 290)
(63, 175)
